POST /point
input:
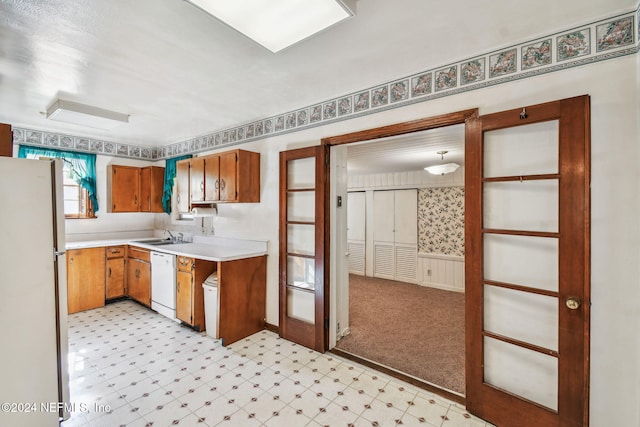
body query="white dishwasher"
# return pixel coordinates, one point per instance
(163, 284)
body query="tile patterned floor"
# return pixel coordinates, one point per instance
(132, 367)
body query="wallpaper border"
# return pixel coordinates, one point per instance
(601, 40)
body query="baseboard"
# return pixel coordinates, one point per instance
(448, 394)
(440, 286)
(273, 328)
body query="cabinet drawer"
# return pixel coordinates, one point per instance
(140, 254)
(185, 263)
(115, 252)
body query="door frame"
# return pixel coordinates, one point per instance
(449, 119)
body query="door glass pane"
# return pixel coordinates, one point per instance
(301, 173)
(522, 372)
(522, 316)
(522, 260)
(522, 150)
(301, 272)
(527, 205)
(301, 239)
(301, 206)
(300, 305)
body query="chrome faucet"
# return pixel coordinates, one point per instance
(173, 238)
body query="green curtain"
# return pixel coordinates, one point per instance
(82, 166)
(169, 176)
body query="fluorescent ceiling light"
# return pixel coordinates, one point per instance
(85, 115)
(442, 169)
(277, 24)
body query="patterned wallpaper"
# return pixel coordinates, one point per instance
(601, 40)
(441, 221)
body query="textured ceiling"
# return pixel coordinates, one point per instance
(180, 73)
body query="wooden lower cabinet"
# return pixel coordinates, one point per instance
(85, 279)
(190, 275)
(139, 275)
(241, 298)
(115, 273)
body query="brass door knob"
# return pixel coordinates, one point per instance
(573, 303)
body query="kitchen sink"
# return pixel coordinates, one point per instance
(159, 242)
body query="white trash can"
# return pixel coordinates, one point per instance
(210, 287)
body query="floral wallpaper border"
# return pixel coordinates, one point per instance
(441, 220)
(601, 40)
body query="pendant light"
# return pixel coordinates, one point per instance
(442, 168)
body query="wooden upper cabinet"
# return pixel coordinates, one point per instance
(135, 189)
(6, 140)
(229, 177)
(232, 176)
(196, 179)
(212, 178)
(124, 188)
(151, 189)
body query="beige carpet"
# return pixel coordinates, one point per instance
(413, 329)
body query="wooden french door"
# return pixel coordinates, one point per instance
(527, 265)
(303, 308)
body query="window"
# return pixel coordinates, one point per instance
(79, 179)
(77, 203)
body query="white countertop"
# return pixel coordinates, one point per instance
(205, 248)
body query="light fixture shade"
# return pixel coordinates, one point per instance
(85, 115)
(277, 24)
(442, 169)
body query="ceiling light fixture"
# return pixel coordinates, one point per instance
(85, 115)
(277, 24)
(442, 168)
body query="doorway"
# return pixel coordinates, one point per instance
(405, 240)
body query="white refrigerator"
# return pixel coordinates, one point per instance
(34, 380)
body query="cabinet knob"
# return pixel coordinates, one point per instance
(222, 184)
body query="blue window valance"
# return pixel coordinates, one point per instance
(169, 176)
(81, 165)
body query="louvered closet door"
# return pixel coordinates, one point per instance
(395, 234)
(383, 234)
(303, 309)
(527, 228)
(406, 235)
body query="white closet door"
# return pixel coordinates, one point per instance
(406, 216)
(383, 213)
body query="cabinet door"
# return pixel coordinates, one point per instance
(212, 178)
(115, 278)
(125, 188)
(85, 279)
(228, 170)
(156, 189)
(145, 190)
(139, 280)
(184, 283)
(196, 179)
(182, 186)
(151, 189)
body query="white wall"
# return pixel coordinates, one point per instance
(615, 350)
(111, 225)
